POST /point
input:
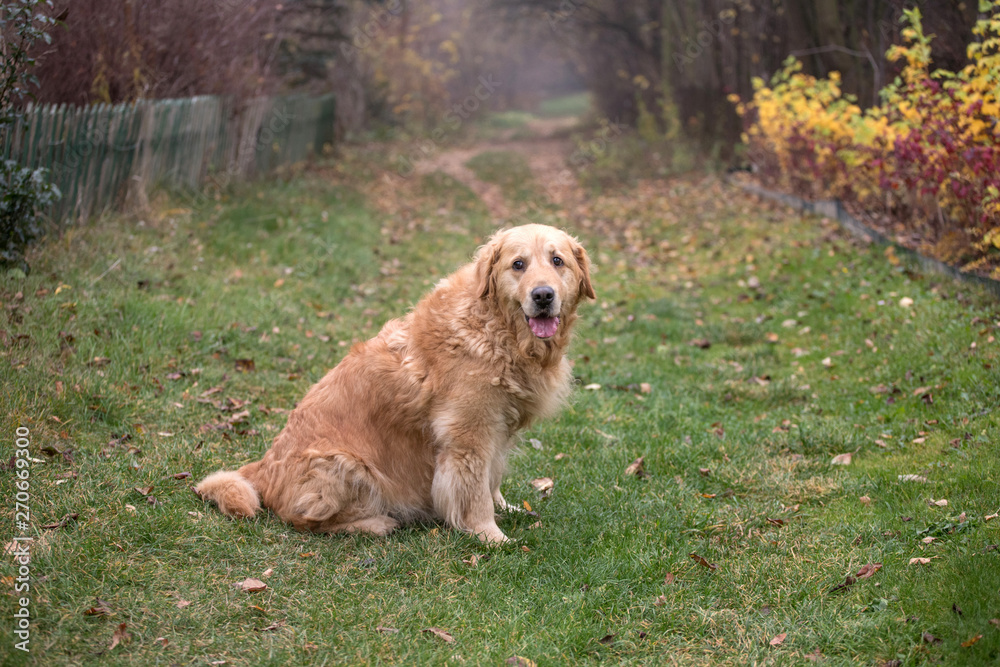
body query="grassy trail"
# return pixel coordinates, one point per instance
(740, 350)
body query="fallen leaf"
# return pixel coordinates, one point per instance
(704, 472)
(929, 638)
(182, 475)
(827, 362)
(73, 516)
(144, 490)
(660, 601)
(606, 639)
(251, 585)
(99, 609)
(440, 634)
(183, 603)
(518, 661)
(592, 387)
(971, 640)
(273, 626)
(387, 630)
(245, 365)
(815, 656)
(544, 485)
(162, 641)
(937, 503)
(868, 570)
(701, 561)
(865, 500)
(842, 459)
(778, 640)
(905, 302)
(990, 517)
(912, 478)
(995, 622)
(702, 343)
(636, 468)
(120, 636)
(669, 579)
(848, 582)
(920, 561)
(536, 443)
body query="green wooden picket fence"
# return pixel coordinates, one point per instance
(100, 155)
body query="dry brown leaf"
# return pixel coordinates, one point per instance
(99, 609)
(842, 459)
(162, 641)
(660, 601)
(544, 485)
(971, 640)
(62, 522)
(920, 561)
(778, 640)
(387, 630)
(701, 561)
(183, 603)
(865, 500)
(438, 632)
(606, 639)
(120, 636)
(245, 365)
(636, 468)
(868, 570)
(937, 503)
(251, 585)
(848, 582)
(669, 579)
(518, 661)
(273, 626)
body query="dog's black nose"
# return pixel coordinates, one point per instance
(543, 296)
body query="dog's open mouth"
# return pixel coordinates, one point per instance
(543, 327)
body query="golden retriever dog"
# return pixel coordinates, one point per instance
(417, 422)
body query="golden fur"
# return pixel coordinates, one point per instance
(417, 422)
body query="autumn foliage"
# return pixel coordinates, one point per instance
(925, 161)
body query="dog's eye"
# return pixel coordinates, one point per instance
(518, 265)
(557, 261)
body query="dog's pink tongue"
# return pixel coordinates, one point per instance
(543, 327)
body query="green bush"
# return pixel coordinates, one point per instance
(23, 192)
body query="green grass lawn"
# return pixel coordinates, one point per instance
(735, 347)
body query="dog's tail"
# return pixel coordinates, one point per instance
(232, 492)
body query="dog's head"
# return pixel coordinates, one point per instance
(536, 273)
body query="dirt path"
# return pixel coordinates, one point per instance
(546, 156)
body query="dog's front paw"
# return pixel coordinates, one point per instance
(491, 535)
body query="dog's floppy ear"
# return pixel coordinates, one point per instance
(486, 261)
(583, 261)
